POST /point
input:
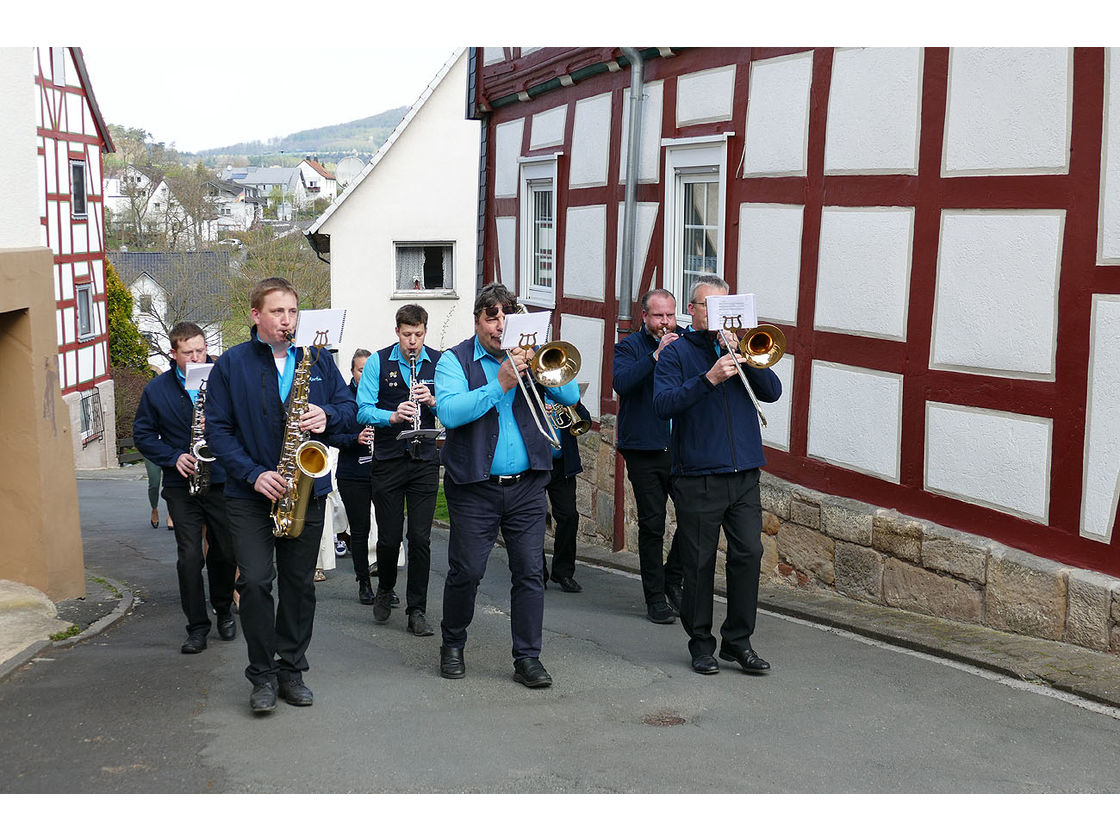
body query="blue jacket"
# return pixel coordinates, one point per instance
(715, 427)
(354, 458)
(638, 426)
(245, 417)
(162, 428)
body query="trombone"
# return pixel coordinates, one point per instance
(554, 365)
(761, 347)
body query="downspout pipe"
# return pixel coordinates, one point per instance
(626, 282)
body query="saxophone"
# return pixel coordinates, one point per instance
(301, 460)
(199, 481)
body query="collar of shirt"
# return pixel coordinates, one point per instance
(182, 377)
(480, 352)
(398, 356)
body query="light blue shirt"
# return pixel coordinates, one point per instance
(192, 393)
(370, 386)
(285, 378)
(457, 405)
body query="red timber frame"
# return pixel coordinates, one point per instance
(1076, 193)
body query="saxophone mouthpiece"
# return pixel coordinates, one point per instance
(289, 335)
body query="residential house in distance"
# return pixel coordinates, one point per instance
(937, 232)
(133, 198)
(172, 286)
(281, 186)
(318, 181)
(238, 206)
(390, 242)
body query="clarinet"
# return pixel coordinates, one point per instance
(415, 442)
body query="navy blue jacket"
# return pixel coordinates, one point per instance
(354, 458)
(638, 426)
(569, 446)
(245, 416)
(162, 428)
(715, 427)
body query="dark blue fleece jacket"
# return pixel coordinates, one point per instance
(638, 426)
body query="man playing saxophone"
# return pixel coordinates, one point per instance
(164, 432)
(250, 417)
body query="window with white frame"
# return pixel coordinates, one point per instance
(538, 231)
(83, 299)
(695, 203)
(78, 189)
(146, 304)
(92, 423)
(425, 266)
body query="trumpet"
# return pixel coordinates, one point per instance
(761, 347)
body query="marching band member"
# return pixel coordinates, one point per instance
(496, 465)
(561, 489)
(716, 450)
(163, 432)
(403, 471)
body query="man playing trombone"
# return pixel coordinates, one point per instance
(700, 384)
(497, 462)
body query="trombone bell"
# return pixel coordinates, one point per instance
(555, 364)
(763, 346)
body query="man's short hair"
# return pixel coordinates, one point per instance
(184, 331)
(268, 286)
(652, 293)
(492, 298)
(359, 354)
(412, 315)
(713, 280)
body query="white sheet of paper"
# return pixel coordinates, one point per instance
(196, 374)
(531, 327)
(315, 325)
(731, 312)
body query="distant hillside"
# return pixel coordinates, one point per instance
(363, 136)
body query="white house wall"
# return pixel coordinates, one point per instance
(1108, 235)
(646, 218)
(591, 142)
(649, 159)
(585, 252)
(777, 129)
(1101, 483)
(19, 176)
(770, 258)
(507, 150)
(855, 418)
(705, 96)
(548, 128)
(587, 334)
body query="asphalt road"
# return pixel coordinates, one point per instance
(125, 712)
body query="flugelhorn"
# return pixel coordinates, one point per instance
(566, 417)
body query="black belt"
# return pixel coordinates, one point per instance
(507, 480)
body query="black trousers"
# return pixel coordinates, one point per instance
(356, 498)
(649, 478)
(395, 482)
(562, 499)
(705, 503)
(191, 514)
(477, 512)
(277, 633)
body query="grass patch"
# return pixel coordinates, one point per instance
(441, 506)
(107, 585)
(72, 630)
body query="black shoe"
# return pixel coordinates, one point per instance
(674, 594)
(195, 643)
(568, 584)
(705, 664)
(382, 608)
(227, 627)
(394, 601)
(418, 624)
(531, 672)
(451, 664)
(263, 698)
(659, 613)
(748, 660)
(294, 692)
(365, 592)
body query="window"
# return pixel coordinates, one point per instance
(83, 298)
(78, 188)
(695, 201)
(92, 423)
(538, 231)
(146, 303)
(425, 266)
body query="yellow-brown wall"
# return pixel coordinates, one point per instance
(39, 525)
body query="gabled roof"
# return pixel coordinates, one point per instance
(99, 121)
(271, 176)
(201, 275)
(318, 167)
(320, 242)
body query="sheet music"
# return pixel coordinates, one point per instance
(531, 328)
(731, 312)
(319, 325)
(196, 375)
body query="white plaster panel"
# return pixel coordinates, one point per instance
(493, 55)
(591, 135)
(874, 107)
(776, 431)
(1008, 111)
(85, 363)
(585, 252)
(80, 234)
(649, 161)
(548, 128)
(70, 325)
(996, 304)
(855, 418)
(770, 258)
(19, 221)
(49, 172)
(587, 335)
(64, 243)
(507, 249)
(777, 128)
(59, 330)
(1108, 238)
(507, 140)
(993, 458)
(1102, 422)
(71, 368)
(99, 359)
(705, 96)
(863, 274)
(647, 216)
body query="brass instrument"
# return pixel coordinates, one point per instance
(761, 347)
(566, 417)
(301, 460)
(553, 365)
(198, 483)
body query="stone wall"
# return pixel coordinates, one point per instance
(814, 540)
